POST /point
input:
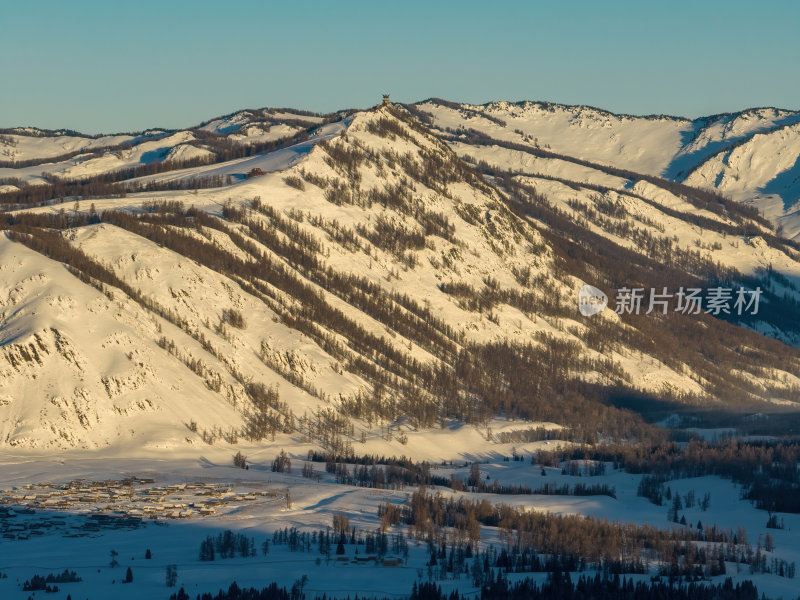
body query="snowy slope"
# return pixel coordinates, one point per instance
(654, 145)
(636, 143)
(750, 155)
(714, 134)
(29, 144)
(78, 368)
(763, 169)
(484, 246)
(27, 154)
(277, 160)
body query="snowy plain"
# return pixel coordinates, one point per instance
(313, 505)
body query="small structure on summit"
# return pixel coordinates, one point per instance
(386, 100)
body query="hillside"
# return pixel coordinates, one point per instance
(749, 156)
(376, 284)
(31, 158)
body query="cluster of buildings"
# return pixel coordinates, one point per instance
(83, 506)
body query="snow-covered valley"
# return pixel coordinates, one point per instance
(253, 503)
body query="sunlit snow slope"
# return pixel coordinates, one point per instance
(369, 276)
(750, 156)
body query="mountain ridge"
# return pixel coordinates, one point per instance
(380, 281)
(641, 144)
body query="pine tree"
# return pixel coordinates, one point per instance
(172, 575)
(282, 463)
(240, 460)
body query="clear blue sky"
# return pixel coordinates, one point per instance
(119, 66)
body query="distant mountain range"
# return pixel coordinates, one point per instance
(750, 156)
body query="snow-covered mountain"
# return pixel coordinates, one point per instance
(30, 156)
(327, 279)
(750, 156)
